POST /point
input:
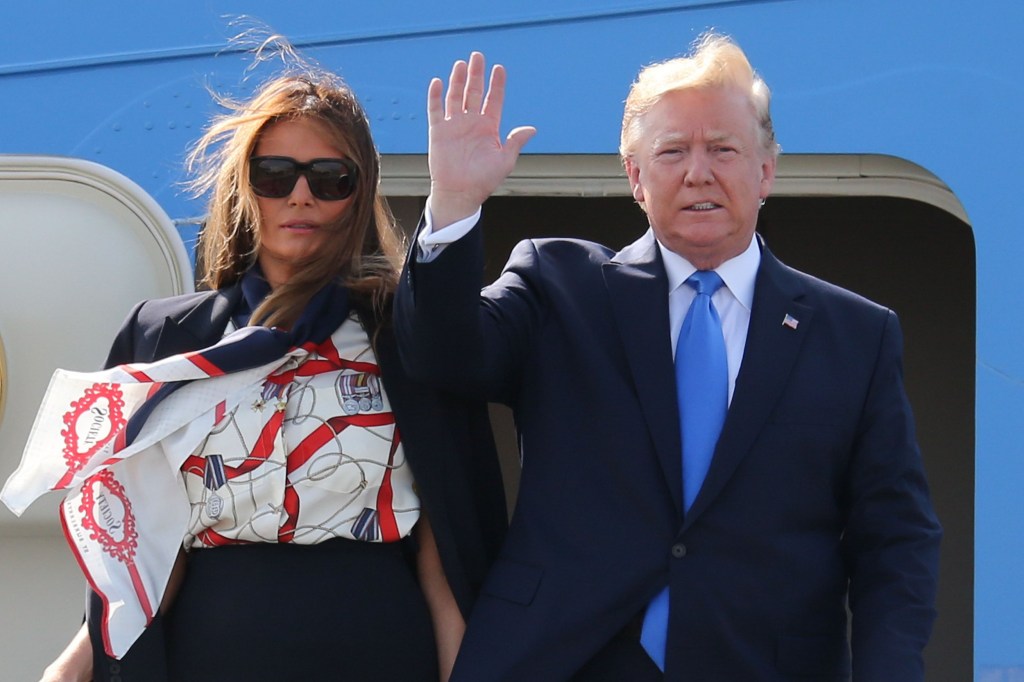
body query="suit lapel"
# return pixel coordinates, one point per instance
(199, 326)
(638, 290)
(779, 322)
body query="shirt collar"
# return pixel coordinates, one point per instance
(738, 273)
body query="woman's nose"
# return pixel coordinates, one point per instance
(301, 193)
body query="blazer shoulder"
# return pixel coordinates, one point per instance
(557, 258)
(156, 311)
(566, 249)
(203, 314)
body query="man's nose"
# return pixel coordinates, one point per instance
(698, 170)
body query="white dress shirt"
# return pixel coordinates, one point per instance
(432, 243)
(732, 301)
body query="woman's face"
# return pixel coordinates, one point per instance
(295, 227)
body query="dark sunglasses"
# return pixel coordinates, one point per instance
(275, 177)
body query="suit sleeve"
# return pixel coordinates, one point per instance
(892, 536)
(455, 336)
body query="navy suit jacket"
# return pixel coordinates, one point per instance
(447, 441)
(815, 494)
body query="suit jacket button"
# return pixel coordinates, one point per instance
(679, 550)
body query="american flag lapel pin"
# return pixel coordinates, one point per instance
(790, 321)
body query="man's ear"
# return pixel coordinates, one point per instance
(768, 175)
(633, 173)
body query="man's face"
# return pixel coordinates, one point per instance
(700, 171)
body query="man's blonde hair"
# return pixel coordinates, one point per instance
(714, 61)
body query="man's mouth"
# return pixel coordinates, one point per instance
(703, 206)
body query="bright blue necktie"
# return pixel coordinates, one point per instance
(702, 387)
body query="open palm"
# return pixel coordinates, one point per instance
(467, 156)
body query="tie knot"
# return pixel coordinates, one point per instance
(705, 281)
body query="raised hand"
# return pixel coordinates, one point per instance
(467, 157)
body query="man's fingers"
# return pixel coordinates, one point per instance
(456, 88)
(466, 95)
(495, 93)
(518, 138)
(474, 93)
(435, 109)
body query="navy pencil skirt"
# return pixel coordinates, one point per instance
(340, 610)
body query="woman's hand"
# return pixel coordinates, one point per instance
(467, 157)
(75, 663)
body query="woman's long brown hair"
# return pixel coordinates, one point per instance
(366, 251)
